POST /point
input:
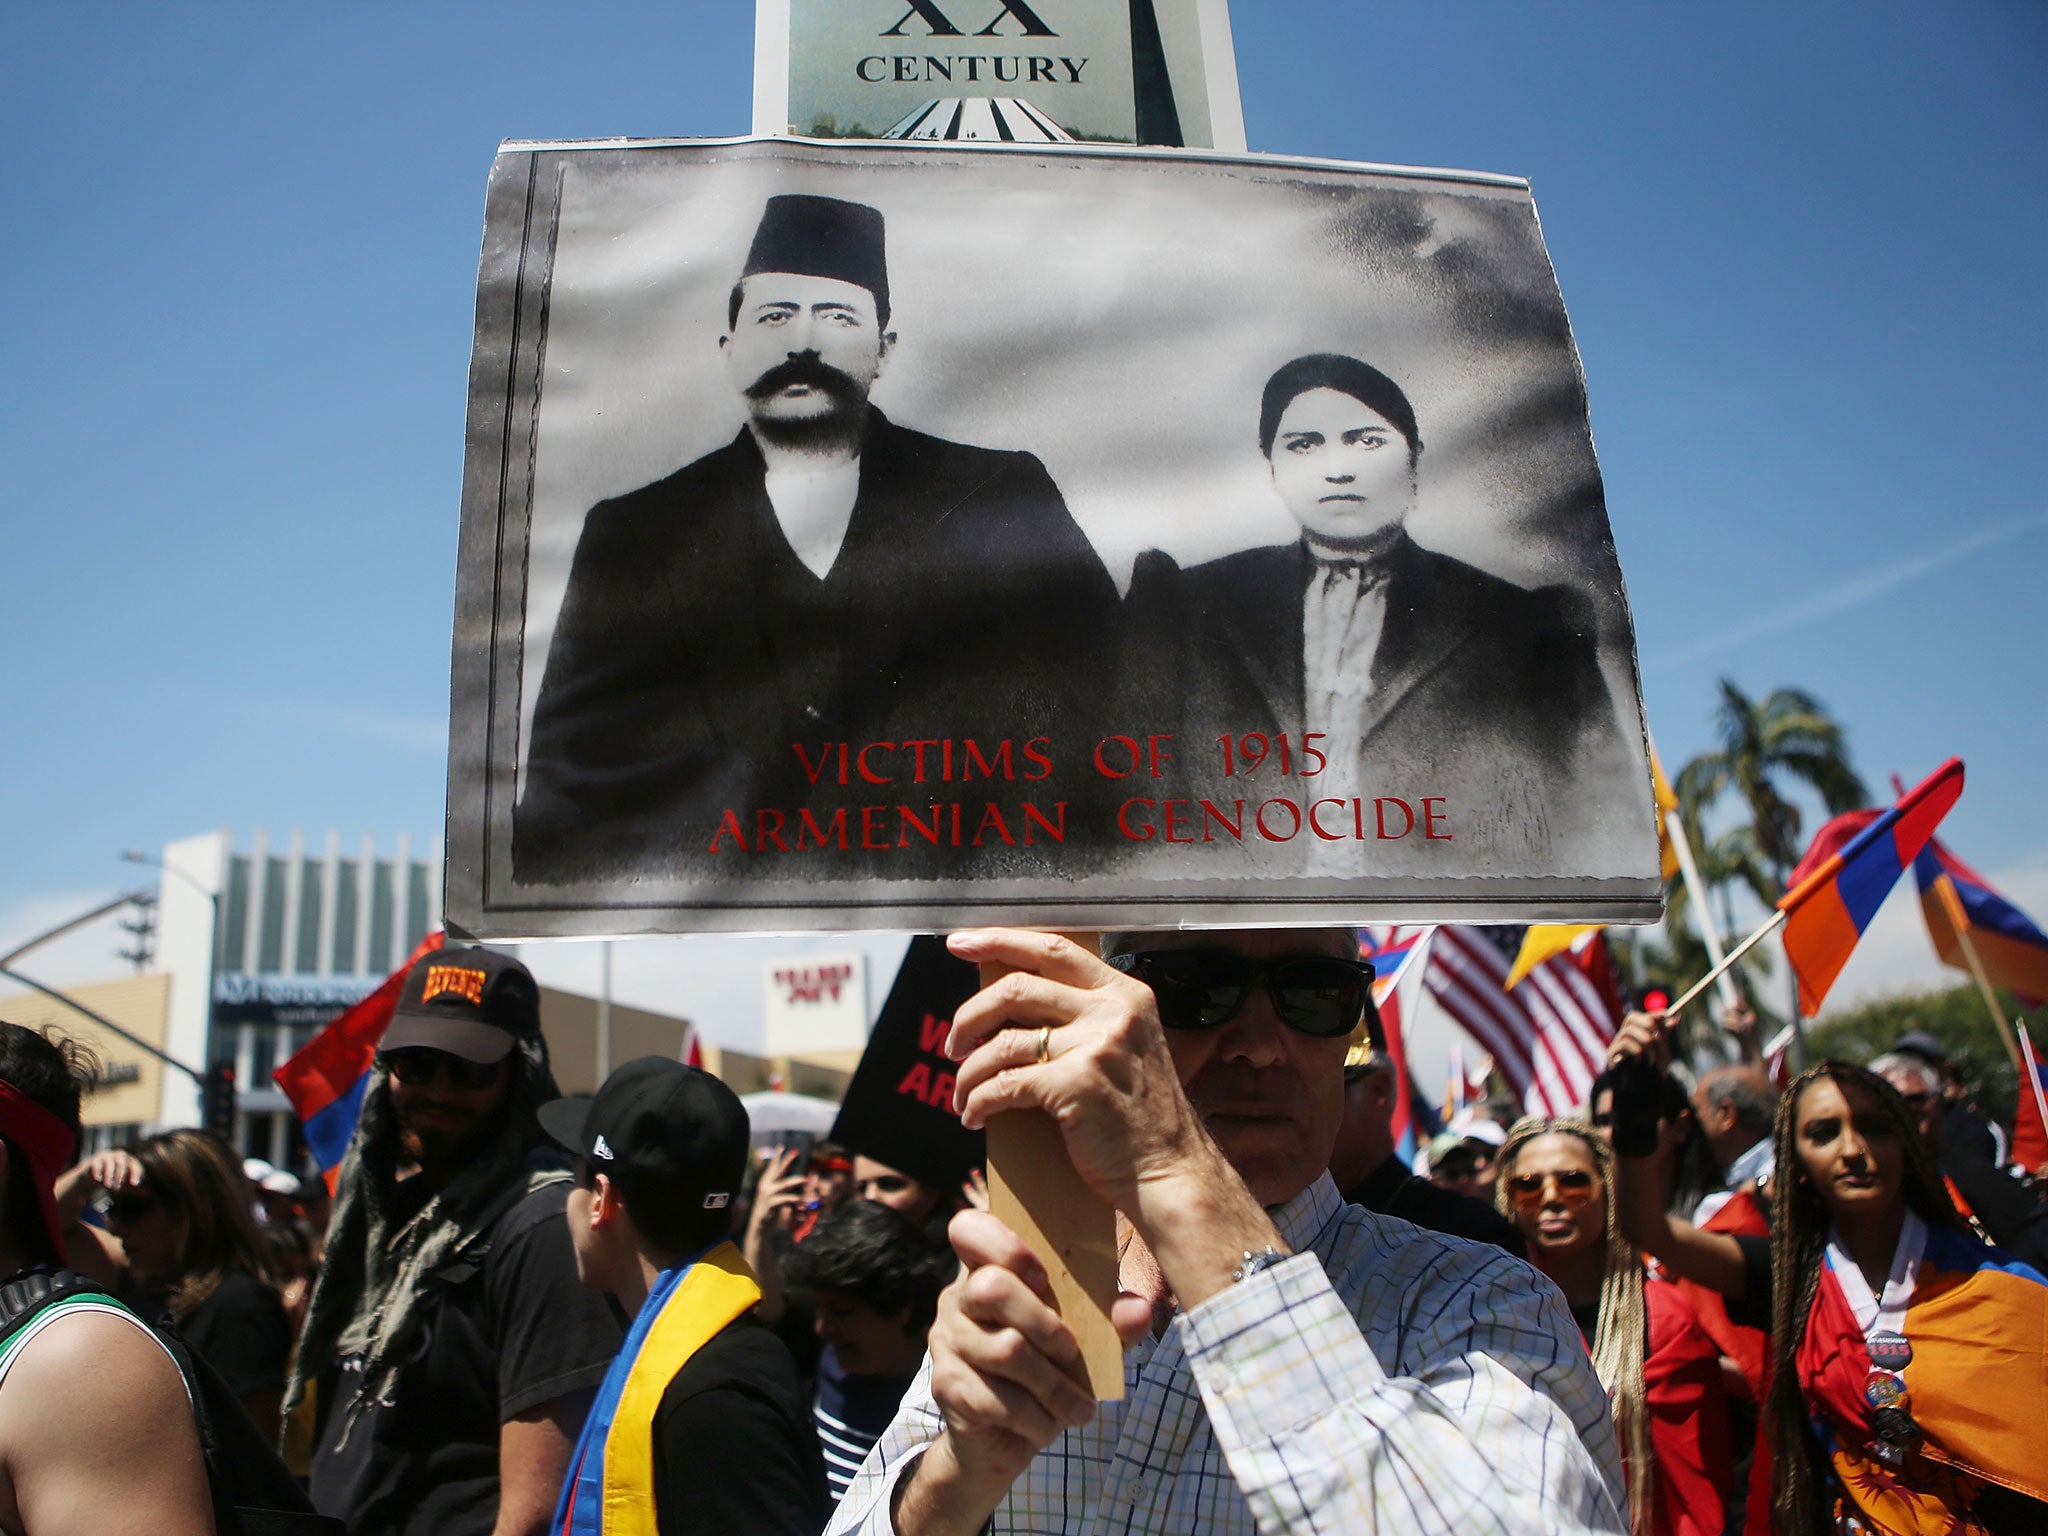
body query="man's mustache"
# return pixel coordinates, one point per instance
(807, 368)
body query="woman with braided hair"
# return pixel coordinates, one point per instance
(1660, 1370)
(1910, 1380)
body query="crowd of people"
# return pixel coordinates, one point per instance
(1705, 1306)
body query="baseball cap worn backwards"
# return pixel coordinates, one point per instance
(661, 1131)
(471, 1003)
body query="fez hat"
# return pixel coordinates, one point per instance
(822, 237)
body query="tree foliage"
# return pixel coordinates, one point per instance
(1955, 1016)
(1787, 735)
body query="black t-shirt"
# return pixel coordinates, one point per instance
(501, 1337)
(1392, 1190)
(734, 1447)
(241, 1330)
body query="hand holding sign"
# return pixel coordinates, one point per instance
(1109, 1081)
(1002, 1364)
(1065, 1033)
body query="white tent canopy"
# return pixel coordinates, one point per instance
(773, 1113)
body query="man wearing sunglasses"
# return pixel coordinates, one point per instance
(455, 1351)
(1291, 1363)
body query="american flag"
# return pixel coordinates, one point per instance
(1549, 1036)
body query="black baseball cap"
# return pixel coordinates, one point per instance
(661, 1131)
(1920, 1043)
(472, 1003)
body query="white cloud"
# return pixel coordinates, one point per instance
(1858, 589)
(417, 733)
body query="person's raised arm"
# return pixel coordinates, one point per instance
(774, 1195)
(97, 1438)
(1742, 1026)
(1712, 1259)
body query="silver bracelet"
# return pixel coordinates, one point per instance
(1254, 1262)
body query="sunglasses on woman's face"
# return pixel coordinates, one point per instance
(1574, 1187)
(1319, 995)
(129, 1206)
(417, 1067)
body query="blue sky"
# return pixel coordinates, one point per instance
(1802, 248)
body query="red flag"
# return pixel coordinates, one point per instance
(2029, 1130)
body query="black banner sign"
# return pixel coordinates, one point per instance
(899, 1107)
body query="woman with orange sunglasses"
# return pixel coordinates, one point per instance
(1661, 1371)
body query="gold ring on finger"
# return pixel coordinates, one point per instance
(1044, 1044)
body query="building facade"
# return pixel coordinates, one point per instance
(264, 944)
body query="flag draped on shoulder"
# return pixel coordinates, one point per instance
(610, 1487)
(1852, 866)
(325, 1080)
(2010, 947)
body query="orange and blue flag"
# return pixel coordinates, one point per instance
(325, 1080)
(1852, 866)
(2010, 947)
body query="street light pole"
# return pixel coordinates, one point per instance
(216, 1105)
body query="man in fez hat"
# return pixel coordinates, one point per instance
(827, 576)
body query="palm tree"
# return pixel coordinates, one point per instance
(1787, 735)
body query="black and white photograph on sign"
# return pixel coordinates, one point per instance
(1002, 71)
(866, 535)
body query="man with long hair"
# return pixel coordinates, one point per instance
(454, 1352)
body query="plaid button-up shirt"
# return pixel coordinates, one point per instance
(1383, 1378)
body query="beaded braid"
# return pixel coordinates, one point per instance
(1799, 1242)
(1621, 1340)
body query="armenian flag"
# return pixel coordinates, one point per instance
(2012, 950)
(1852, 866)
(1976, 1320)
(326, 1078)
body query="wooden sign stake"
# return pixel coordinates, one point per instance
(1034, 1191)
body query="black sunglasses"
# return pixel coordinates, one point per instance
(1320, 995)
(417, 1067)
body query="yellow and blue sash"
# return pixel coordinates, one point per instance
(610, 1487)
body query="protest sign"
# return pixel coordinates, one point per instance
(1128, 538)
(899, 1107)
(1142, 72)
